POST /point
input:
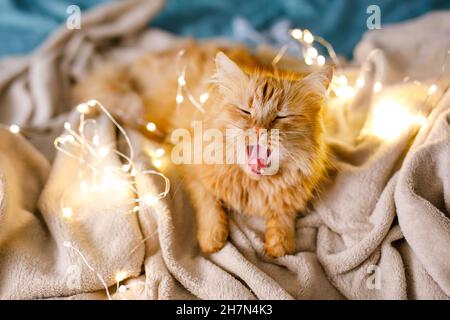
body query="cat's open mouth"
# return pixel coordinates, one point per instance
(258, 158)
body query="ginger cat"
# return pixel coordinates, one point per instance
(243, 94)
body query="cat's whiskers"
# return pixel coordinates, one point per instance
(284, 149)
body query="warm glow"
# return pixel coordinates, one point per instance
(312, 52)
(157, 163)
(308, 60)
(203, 97)
(67, 212)
(377, 86)
(68, 138)
(150, 200)
(83, 108)
(432, 89)
(67, 126)
(307, 36)
(151, 126)
(179, 98)
(390, 119)
(159, 152)
(345, 92)
(103, 152)
(360, 82)
(96, 140)
(121, 275)
(296, 34)
(320, 60)
(181, 81)
(342, 80)
(14, 128)
(341, 88)
(122, 289)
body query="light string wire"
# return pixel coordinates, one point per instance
(67, 244)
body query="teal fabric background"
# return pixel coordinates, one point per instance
(25, 23)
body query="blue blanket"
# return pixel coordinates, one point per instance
(24, 24)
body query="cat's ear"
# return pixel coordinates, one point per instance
(319, 81)
(228, 74)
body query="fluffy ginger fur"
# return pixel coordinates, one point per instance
(245, 94)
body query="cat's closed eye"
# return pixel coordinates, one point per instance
(243, 111)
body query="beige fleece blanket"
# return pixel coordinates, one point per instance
(380, 231)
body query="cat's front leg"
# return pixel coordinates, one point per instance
(280, 234)
(212, 220)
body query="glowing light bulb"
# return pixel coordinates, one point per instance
(151, 126)
(125, 167)
(150, 200)
(92, 103)
(83, 108)
(360, 82)
(203, 97)
(159, 152)
(121, 275)
(307, 36)
(345, 92)
(179, 98)
(181, 81)
(377, 86)
(308, 61)
(14, 128)
(103, 152)
(122, 288)
(312, 52)
(432, 89)
(342, 80)
(296, 34)
(321, 60)
(67, 212)
(157, 163)
(69, 138)
(96, 140)
(67, 125)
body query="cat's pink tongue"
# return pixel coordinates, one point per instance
(257, 158)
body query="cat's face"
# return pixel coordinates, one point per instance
(258, 103)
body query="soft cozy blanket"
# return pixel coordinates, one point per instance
(381, 230)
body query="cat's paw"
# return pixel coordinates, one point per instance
(279, 243)
(213, 240)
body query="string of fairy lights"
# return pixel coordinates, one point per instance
(380, 125)
(183, 89)
(97, 176)
(83, 142)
